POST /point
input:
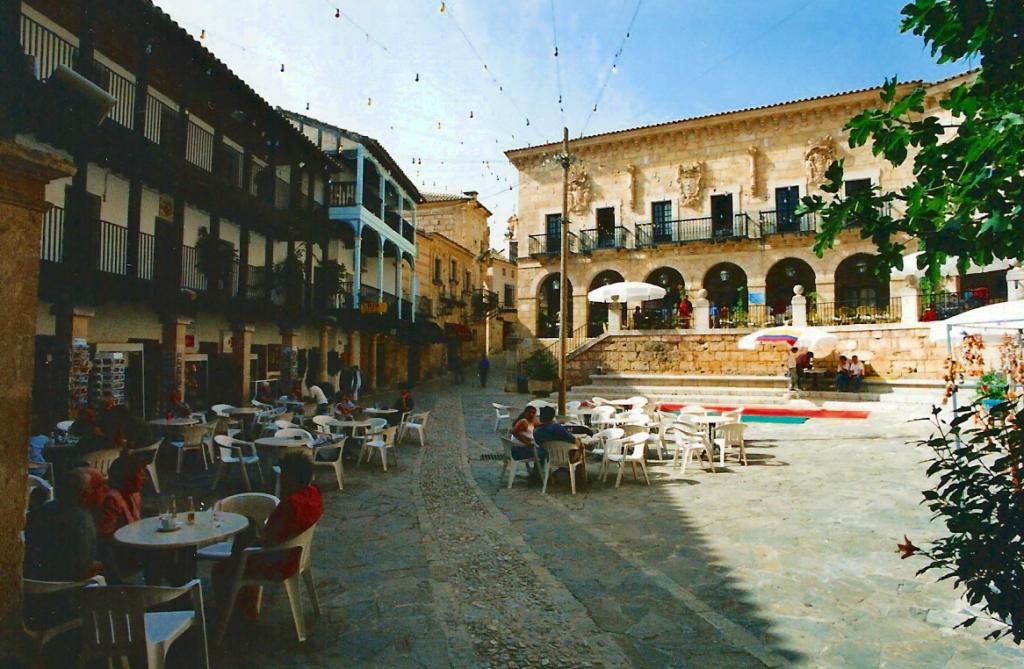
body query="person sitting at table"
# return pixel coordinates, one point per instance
(300, 508)
(842, 374)
(856, 374)
(523, 426)
(264, 396)
(345, 408)
(121, 505)
(179, 408)
(403, 405)
(37, 441)
(320, 398)
(550, 430)
(60, 536)
(804, 361)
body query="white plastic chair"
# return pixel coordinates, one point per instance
(64, 426)
(633, 448)
(658, 440)
(331, 453)
(510, 462)
(732, 416)
(729, 435)
(40, 636)
(289, 432)
(693, 410)
(303, 544)
(261, 405)
(115, 623)
(327, 424)
(687, 439)
(602, 417)
(235, 451)
(193, 438)
(600, 439)
(599, 401)
(256, 506)
(637, 402)
(149, 455)
(101, 460)
(37, 482)
(560, 455)
(382, 442)
(540, 404)
(501, 412)
(417, 423)
(284, 424)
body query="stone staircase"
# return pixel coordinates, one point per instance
(755, 391)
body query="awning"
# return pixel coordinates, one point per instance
(421, 332)
(459, 331)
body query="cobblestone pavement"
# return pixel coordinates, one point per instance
(789, 562)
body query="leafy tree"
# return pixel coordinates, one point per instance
(967, 195)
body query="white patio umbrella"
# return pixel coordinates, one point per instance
(626, 291)
(991, 321)
(817, 340)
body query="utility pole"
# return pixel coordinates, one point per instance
(563, 269)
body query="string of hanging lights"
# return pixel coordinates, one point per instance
(558, 64)
(614, 68)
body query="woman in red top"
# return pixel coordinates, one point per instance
(121, 505)
(300, 509)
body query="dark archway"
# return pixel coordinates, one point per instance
(662, 313)
(597, 312)
(782, 278)
(548, 306)
(726, 284)
(857, 284)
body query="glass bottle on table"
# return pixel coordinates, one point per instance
(190, 517)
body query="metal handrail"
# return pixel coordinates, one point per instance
(618, 237)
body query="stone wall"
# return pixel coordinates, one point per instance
(888, 352)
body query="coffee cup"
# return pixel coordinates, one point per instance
(168, 523)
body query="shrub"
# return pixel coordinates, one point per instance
(541, 366)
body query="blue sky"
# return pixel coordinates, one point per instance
(682, 58)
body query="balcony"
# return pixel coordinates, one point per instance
(393, 220)
(774, 222)
(513, 251)
(550, 245)
(595, 239)
(854, 313)
(702, 229)
(484, 302)
(371, 200)
(343, 194)
(408, 232)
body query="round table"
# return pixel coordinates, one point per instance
(145, 533)
(380, 412)
(247, 415)
(282, 442)
(177, 564)
(174, 422)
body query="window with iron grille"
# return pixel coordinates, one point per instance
(661, 218)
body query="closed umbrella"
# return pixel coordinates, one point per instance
(817, 340)
(626, 291)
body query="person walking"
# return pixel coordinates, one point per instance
(483, 367)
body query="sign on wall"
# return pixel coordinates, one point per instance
(379, 308)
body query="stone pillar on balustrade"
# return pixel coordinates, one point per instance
(1015, 282)
(799, 304)
(910, 300)
(24, 174)
(325, 349)
(241, 350)
(614, 316)
(702, 312)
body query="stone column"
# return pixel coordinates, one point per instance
(370, 378)
(702, 312)
(909, 301)
(799, 304)
(241, 348)
(24, 174)
(1015, 282)
(614, 317)
(172, 360)
(325, 344)
(289, 360)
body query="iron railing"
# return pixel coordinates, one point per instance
(234, 166)
(371, 200)
(255, 176)
(940, 306)
(282, 193)
(256, 282)
(545, 244)
(573, 341)
(48, 48)
(147, 255)
(199, 146)
(393, 220)
(51, 241)
(618, 237)
(775, 223)
(854, 313)
(701, 229)
(408, 232)
(191, 277)
(156, 111)
(122, 88)
(113, 255)
(343, 194)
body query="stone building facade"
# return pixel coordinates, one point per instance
(708, 203)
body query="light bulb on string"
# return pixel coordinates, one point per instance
(527, 121)
(337, 13)
(595, 108)
(556, 52)
(442, 8)
(307, 106)
(202, 34)
(417, 76)
(438, 125)
(282, 67)
(470, 113)
(559, 99)
(615, 68)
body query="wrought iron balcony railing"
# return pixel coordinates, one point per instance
(702, 229)
(618, 237)
(774, 222)
(551, 244)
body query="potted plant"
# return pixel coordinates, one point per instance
(992, 389)
(541, 371)
(215, 258)
(336, 281)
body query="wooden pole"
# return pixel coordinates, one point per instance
(563, 279)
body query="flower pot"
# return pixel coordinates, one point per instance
(990, 404)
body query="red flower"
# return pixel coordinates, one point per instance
(906, 549)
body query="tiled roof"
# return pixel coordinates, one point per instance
(444, 197)
(773, 105)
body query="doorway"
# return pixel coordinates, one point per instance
(786, 201)
(606, 227)
(721, 215)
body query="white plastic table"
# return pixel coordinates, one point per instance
(174, 422)
(380, 412)
(145, 533)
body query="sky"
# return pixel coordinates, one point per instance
(453, 90)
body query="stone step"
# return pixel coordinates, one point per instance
(727, 400)
(626, 390)
(714, 380)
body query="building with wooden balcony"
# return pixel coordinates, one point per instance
(707, 203)
(197, 234)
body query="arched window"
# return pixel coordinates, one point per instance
(782, 278)
(857, 284)
(548, 306)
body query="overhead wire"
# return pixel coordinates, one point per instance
(558, 63)
(613, 68)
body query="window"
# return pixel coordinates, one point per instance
(854, 186)
(606, 227)
(453, 272)
(467, 281)
(786, 201)
(510, 295)
(553, 231)
(661, 218)
(721, 215)
(437, 270)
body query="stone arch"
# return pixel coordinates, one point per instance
(857, 283)
(548, 306)
(726, 284)
(782, 277)
(597, 312)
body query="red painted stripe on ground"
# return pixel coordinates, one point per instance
(776, 411)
